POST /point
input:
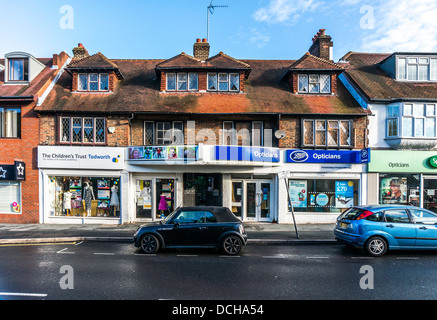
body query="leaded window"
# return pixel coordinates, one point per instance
(223, 81)
(93, 82)
(314, 83)
(82, 130)
(163, 132)
(327, 133)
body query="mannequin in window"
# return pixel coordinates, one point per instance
(67, 201)
(115, 201)
(88, 196)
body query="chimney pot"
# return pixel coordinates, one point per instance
(198, 40)
(204, 40)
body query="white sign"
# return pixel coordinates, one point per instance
(104, 158)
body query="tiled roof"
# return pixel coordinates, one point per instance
(139, 92)
(309, 61)
(97, 62)
(365, 72)
(32, 89)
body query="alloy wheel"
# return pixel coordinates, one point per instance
(232, 245)
(149, 244)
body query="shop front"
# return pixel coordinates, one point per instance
(11, 178)
(317, 185)
(82, 185)
(403, 177)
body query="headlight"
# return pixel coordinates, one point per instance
(241, 229)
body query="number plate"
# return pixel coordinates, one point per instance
(343, 225)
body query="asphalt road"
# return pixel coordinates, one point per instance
(118, 271)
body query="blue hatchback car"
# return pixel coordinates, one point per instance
(378, 228)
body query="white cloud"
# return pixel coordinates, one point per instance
(285, 11)
(258, 38)
(403, 25)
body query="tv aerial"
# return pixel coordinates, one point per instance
(211, 9)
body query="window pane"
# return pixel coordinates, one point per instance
(88, 126)
(419, 128)
(182, 81)
(228, 133)
(314, 88)
(83, 82)
(303, 83)
(412, 72)
(193, 81)
(423, 72)
(314, 78)
(419, 110)
(407, 127)
(408, 110)
(16, 69)
(77, 130)
(212, 81)
(325, 83)
(104, 82)
(430, 109)
(308, 135)
(257, 130)
(433, 69)
(243, 133)
(332, 133)
(171, 81)
(392, 127)
(430, 127)
(94, 81)
(100, 130)
(234, 82)
(396, 216)
(393, 111)
(65, 130)
(148, 133)
(12, 121)
(344, 133)
(178, 132)
(9, 193)
(402, 74)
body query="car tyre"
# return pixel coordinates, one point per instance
(232, 245)
(149, 244)
(376, 246)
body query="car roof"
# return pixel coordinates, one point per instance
(376, 207)
(222, 214)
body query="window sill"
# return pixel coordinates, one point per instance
(413, 143)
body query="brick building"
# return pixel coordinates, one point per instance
(199, 129)
(24, 81)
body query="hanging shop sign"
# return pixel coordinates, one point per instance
(14, 172)
(237, 153)
(163, 153)
(106, 158)
(327, 156)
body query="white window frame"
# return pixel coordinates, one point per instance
(326, 130)
(165, 141)
(392, 117)
(415, 118)
(88, 79)
(417, 62)
(305, 79)
(234, 134)
(216, 76)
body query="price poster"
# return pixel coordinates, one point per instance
(298, 193)
(344, 194)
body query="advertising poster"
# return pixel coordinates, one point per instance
(298, 193)
(344, 194)
(394, 190)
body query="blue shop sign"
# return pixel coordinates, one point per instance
(327, 156)
(236, 153)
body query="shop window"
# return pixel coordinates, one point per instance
(10, 122)
(84, 130)
(322, 195)
(399, 189)
(163, 132)
(84, 196)
(327, 133)
(10, 197)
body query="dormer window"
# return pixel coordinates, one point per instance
(93, 82)
(314, 83)
(18, 70)
(223, 81)
(182, 81)
(417, 68)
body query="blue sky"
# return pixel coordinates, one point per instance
(246, 29)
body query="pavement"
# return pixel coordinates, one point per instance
(258, 233)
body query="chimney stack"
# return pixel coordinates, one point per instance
(201, 50)
(80, 52)
(322, 46)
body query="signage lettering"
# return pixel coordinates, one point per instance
(327, 156)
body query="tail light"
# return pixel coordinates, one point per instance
(364, 214)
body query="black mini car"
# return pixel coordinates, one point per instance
(194, 227)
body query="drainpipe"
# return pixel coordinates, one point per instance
(130, 128)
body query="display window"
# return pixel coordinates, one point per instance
(84, 196)
(399, 189)
(322, 195)
(10, 197)
(154, 198)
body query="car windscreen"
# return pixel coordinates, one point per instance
(351, 214)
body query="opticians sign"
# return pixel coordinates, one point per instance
(237, 153)
(327, 156)
(104, 158)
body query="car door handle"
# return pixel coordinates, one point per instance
(423, 228)
(390, 226)
(202, 228)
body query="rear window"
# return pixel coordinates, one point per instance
(351, 213)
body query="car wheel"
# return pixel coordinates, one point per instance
(231, 245)
(376, 246)
(149, 244)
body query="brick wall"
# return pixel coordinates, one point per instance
(24, 149)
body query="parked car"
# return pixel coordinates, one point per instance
(378, 228)
(192, 227)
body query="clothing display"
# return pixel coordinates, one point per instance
(67, 200)
(88, 197)
(115, 201)
(163, 203)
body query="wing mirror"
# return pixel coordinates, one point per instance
(176, 224)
